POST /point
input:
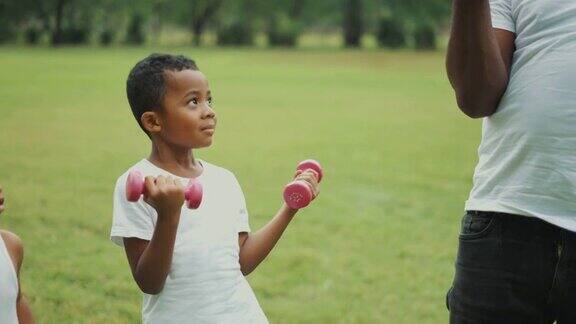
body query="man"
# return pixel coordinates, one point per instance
(513, 63)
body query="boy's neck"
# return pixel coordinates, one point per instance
(180, 162)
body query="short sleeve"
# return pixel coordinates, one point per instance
(502, 17)
(130, 219)
(240, 209)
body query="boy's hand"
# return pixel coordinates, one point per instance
(311, 178)
(165, 194)
(1, 200)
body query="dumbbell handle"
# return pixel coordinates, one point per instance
(297, 194)
(135, 188)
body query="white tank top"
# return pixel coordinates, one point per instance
(8, 287)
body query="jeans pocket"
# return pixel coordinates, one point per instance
(477, 225)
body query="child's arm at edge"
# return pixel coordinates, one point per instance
(255, 247)
(16, 251)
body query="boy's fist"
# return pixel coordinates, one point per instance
(165, 194)
(311, 178)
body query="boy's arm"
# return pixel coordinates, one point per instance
(16, 251)
(479, 58)
(255, 247)
(150, 260)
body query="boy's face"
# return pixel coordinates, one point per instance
(187, 119)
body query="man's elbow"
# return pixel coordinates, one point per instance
(150, 289)
(475, 108)
(245, 269)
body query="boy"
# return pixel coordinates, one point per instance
(190, 264)
(13, 305)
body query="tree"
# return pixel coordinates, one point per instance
(15, 15)
(402, 21)
(284, 24)
(7, 32)
(201, 11)
(352, 23)
(158, 7)
(237, 22)
(57, 33)
(391, 32)
(425, 37)
(67, 21)
(135, 32)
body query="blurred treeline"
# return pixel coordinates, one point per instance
(391, 23)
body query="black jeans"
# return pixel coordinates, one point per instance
(513, 269)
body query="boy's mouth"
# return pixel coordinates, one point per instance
(209, 127)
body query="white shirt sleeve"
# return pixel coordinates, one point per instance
(242, 219)
(502, 17)
(130, 219)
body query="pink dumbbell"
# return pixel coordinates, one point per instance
(135, 188)
(298, 194)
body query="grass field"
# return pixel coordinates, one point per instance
(378, 246)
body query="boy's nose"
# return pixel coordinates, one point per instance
(209, 112)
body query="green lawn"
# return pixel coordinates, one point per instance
(378, 245)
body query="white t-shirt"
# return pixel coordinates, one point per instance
(8, 287)
(527, 162)
(205, 284)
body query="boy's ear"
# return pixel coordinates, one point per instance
(151, 122)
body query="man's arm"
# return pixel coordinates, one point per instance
(16, 251)
(479, 58)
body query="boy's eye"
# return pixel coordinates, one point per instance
(210, 101)
(194, 101)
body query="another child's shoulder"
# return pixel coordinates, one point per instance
(14, 244)
(10, 238)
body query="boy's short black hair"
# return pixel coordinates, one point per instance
(146, 84)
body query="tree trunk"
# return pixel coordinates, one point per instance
(156, 25)
(352, 24)
(57, 33)
(201, 12)
(197, 30)
(296, 10)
